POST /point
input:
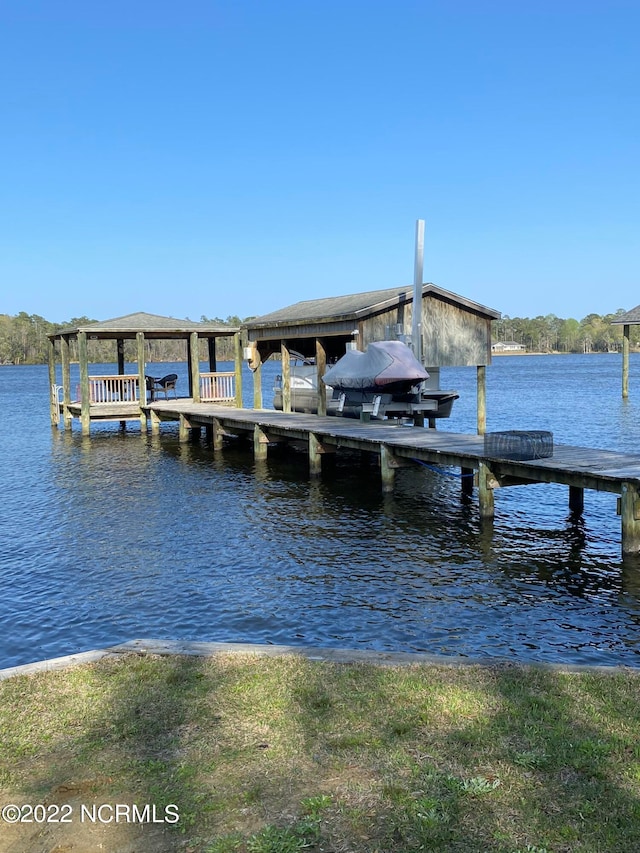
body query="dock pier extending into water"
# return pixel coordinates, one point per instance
(399, 446)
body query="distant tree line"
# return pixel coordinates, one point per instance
(23, 337)
(23, 340)
(594, 333)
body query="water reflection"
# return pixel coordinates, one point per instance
(120, 535)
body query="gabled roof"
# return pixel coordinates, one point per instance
(357, 305)
(631, 318)
(152, 325)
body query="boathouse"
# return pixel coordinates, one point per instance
(121, 396)
(455, 332)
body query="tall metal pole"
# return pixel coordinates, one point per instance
(416, 326)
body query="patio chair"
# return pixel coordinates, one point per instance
(165, 384)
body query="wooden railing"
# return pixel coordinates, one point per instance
(217, 387)
(113, 389)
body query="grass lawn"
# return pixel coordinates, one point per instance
(270, 755)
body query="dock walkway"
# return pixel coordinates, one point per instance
(398, 446)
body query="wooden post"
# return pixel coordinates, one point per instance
(630, 513)
(237, 357)
(183, 430)
(260, 443)
(155, 423)
(576, 499)
(216, 437)
(486, 485)
(321, 367)
(482, 398)
(387, 468)
(625, 361)
(120, 356)
(213, 363)
(53, 393)
(286, 376)
(67, 420)
(194, 360)
(85, 402)
(257, 385)
(142, 382)
(315, 455)
(466, 480)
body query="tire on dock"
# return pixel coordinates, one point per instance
(519, 445)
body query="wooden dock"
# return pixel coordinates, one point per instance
(398, 446)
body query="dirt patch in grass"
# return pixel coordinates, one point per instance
(270, 755)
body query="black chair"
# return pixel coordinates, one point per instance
(166, 384)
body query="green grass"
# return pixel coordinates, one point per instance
(274, 755)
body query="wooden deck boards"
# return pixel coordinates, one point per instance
(567, 463)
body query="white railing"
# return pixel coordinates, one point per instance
(217, 387)
(113, 389)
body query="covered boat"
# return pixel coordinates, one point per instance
(385, 380)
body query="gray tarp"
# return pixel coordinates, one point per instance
(385, 363)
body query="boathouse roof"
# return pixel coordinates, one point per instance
(631, 318)
(356, 306)
(455, 330)
(152, 325)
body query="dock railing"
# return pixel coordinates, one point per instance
(217, 387)
(113, 389)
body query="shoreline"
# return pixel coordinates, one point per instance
(183, 648)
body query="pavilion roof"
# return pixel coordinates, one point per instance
(152, 325)
(631, 318)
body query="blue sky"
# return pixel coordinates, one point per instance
(217, 158)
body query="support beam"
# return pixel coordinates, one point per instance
(482, 398)
(155, 423)
(257, 385)
(53, 398)
(260, 443)
(285, 354)
(67, 419)
(576, 500)
(142, 382)
(486, 484)
(211, 349)
(316, 451)
(625, 360)
(321, 368)
(237, 359)
(216, 435)
(120, 355)
(85, 402)
(183, 433)
(194, 365)
(630, 512)
(466, 480)
(388, 467)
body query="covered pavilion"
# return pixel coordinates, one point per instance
(121, 396)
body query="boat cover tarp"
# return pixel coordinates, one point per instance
(383, 364)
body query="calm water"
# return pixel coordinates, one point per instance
(120, 535)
